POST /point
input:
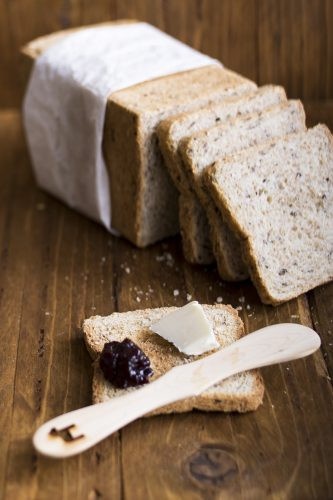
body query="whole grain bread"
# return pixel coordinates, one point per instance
(243, 392)
(278, 198)
(194, 231)
(202, 149)
(176, 128)
(144, 200)
(172, 130)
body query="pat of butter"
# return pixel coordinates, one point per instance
(188, 329)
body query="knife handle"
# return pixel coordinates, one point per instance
(78, 430)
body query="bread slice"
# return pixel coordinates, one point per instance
(202, 149)
(172, 130)
(194, 231)
(144, 200)
(279, 199)
(243, 392)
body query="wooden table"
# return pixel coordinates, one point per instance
(57, 268)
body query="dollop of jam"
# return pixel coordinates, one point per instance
(124, 364)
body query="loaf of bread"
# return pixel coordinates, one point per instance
(172, 130)
(143, 198)
(278, 198)
(242, 392)
(202, 149)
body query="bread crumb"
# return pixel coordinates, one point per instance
(241, 299)
(239, 308)
(47, 313)
(138, 299)
(189, 297)
(127, 270)
(294, 316)
(219, 300)
(103, 259)
(166, 257)
(176, 293)
(210, 287)
(248, 307)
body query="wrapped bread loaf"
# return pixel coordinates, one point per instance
(143, 201)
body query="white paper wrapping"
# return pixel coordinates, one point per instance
(65, 104)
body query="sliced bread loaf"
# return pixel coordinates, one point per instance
(278, 198)
(243, 392)
(172, 130)
(144, 199)
(194, 230)
(202, 149)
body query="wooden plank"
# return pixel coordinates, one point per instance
(57, 268)
(321, 304)
(280, 49)
(277, 41)
(315, 18)
(12, 273)
(53, 275)
(319, 112)
(329, 47)
(321, 299)
(293, 37)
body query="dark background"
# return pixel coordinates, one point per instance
(289, 42)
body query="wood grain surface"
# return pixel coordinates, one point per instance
(282, 41)
(56, 268)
